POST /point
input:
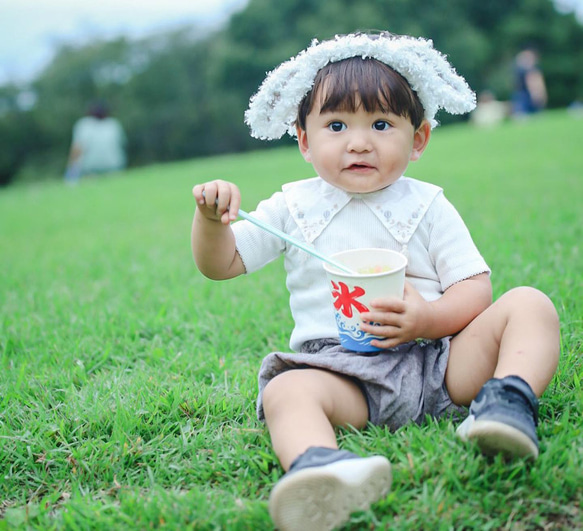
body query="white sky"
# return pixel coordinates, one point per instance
(31, 29)
(570, 6)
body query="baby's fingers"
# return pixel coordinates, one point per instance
(198, 193)
(221, 199)
(378, 329)
(385, 318)
(385, 311)
(388, 304)
(228, 203)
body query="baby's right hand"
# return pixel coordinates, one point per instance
(218, 200)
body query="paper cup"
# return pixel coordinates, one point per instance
(380, 273)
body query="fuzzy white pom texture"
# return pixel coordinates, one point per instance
(273, 109)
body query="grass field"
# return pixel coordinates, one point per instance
(128, 380)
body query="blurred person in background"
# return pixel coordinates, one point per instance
(530, 91)
(489, 111)
(98, 145)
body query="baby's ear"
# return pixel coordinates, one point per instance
(420, 140)
(303, 144)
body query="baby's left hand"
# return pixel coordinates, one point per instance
(399, 321)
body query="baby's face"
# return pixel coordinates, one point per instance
(359, 151)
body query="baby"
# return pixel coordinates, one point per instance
(362, 107)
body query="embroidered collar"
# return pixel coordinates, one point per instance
(313, 203)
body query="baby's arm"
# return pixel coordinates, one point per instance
(414, 317)
(213, 241)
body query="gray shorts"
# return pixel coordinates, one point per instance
(400, 385)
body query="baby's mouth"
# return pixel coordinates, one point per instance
(359, 166)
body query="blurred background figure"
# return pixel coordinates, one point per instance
(530, 94)
(98, 145)
(489, 111)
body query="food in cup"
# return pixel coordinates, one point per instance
(372, 270)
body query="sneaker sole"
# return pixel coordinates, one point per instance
(320, 498)
(496, 437)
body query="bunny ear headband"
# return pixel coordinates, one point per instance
(273, 109)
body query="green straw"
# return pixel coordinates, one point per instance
(286, 237)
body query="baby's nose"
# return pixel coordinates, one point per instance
(359, 142)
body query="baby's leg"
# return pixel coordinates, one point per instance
(501, 362)
(303, 406)
(323, 485)
(517, 335)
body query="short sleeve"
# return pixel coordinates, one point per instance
(256, 246)
(451, 247)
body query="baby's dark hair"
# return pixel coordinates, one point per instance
(369, 82)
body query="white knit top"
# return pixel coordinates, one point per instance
(409, 216)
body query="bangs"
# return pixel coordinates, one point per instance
(346, 85)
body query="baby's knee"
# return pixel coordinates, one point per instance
(272, 389)
(526, 298)
(296, 388)
(281, 389)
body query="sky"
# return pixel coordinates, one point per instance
(30, 30)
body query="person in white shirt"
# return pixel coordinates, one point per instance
(98, 145)
(363, 107)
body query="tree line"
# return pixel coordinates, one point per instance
(183, 94)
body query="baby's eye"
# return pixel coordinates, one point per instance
(336, 126)
(381, 125)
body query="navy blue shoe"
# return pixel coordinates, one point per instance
(503, 418)
(323, 486)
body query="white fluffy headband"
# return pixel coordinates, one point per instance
(273, 109)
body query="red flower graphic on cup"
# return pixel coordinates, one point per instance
(346, 299)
